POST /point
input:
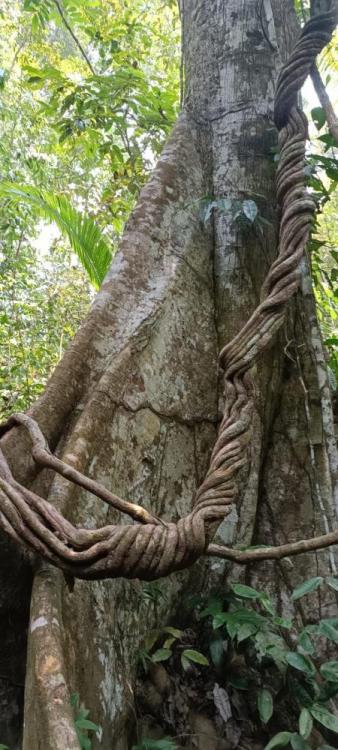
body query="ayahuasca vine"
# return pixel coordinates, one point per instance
(151, 548)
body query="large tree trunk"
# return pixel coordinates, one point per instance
(136, 400)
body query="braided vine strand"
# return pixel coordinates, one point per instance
(156, 549)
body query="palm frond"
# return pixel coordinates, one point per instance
(84, 235)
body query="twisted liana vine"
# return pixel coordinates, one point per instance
(151, 548)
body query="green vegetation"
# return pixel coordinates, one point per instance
(258, 660)
(84, 727)
(247, 618)
(89, 90)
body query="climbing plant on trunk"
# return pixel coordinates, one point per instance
(121, 409)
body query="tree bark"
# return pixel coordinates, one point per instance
(136, 400)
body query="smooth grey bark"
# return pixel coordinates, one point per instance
(136, 399)
(233, 56)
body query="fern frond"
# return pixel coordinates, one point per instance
(84, 235)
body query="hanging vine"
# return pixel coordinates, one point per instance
(151, 548)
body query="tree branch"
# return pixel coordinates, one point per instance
(332, 119)
(76, 40)
(243, 557)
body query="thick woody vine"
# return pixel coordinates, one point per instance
(151, 548)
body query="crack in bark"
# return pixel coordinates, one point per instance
(174, 417)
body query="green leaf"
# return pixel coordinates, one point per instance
(332, 582)
(173, 631)
(219, 620)
(319, 117)
(265, 705)
(328, 630)
(169, 642)
(84, 741)
(305, 643)
(283, 623)
(245, 592)
(300, 662)
(75, 700)
(298, 743)
(245, 631)
(321, 714)
(250, 210)
(196, 657)
(162, 654)
(84, 235)
(216, 648)
(329, 671)
(306, 588)
(239, 683)
(266, 602)
(305, 723)
(327, 691)
(86, 724)
(281, 739)
(186, 664)
(215, 607)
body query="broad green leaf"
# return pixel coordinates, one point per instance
(329, 671)
(281, 739)
(86, 724)
(246, 631)
(216, 648)
(305, 723)
(328, 630)
(232, 628)
(283, 623)
(300, 662)
(169, 642)
(321, 714)
(305, 643)
(298, 743)
(332, 582)
(151, 639)
(215, 607)
(245, 592)
(239, 683)
(327, 691)
(186, 663)
(306, 588)
(265, 705)
(319, 117)
(84, 741)
(162, 654)
(250, 210)
(75, 700)
(173, 631)
(195, 656)
(266, 602)
(219, 620)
